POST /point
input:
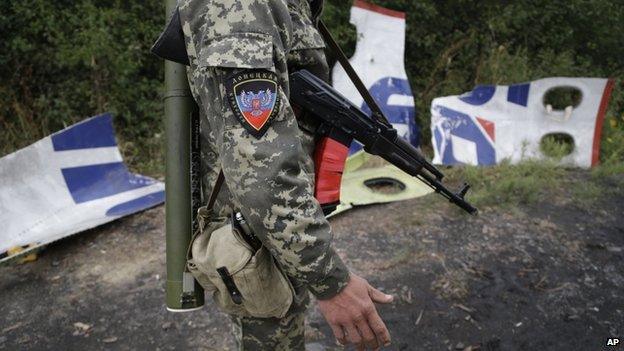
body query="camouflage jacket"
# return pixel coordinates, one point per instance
(271, 184)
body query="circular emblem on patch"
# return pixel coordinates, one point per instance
(254, 98)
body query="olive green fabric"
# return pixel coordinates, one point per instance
(265, 290)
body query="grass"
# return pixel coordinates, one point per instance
(527, 183)
(508, 185)
(610, 168)
(588, 192)
(400, 257)
(556, 146)
(451, 285)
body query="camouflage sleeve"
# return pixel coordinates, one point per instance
(234, 60)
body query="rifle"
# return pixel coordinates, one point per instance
(341, 122)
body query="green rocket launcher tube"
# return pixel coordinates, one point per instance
(183, 293)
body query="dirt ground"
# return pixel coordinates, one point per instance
(543, 277)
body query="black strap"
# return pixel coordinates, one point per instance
(225, 275)
(235, 294)
(215, 190)
(344, 62)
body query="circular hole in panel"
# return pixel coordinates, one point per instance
(561, 97)
(557, 145)
(385, 185)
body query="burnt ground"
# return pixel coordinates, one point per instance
(546, 276)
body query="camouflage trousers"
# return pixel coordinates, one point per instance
(279, 334)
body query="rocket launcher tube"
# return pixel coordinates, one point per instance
(340, 116)
(181, 119)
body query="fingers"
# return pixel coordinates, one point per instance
(379, 297)
(353, 317)
(354, 336)
(369, 338)
(379, 328)
(339, 333)
(375, 322)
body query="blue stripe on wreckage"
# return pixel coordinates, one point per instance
(479, 95)
(466, 128)
(87, 183)
(137, 204)
(92, 182)
(438, 137)
(92, 133)
(519, 94)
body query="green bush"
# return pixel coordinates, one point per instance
(62, 61)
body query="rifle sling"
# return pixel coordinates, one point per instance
(344, 62)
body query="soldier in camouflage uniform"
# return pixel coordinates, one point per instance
(240, 54)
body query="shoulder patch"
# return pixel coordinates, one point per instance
(253, 96)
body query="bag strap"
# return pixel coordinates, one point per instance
(359, 85)
(209, 206)
(215, 191)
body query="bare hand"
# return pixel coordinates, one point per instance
(353, 317)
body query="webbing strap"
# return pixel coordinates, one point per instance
(202, 212)
(215, 190)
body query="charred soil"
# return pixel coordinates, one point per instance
(541, 276)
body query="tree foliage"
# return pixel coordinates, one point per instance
(62, 61)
